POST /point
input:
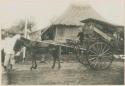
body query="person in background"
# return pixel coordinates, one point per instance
(81, 36)
(9, 44)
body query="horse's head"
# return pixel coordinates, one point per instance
(21, 42)
(18, 45)
(25, 42)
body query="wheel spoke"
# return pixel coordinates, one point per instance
(97, 49)
(93, 55)
(104, 48)
(106, 51)
(92, 62)
(94, 49)
(93, 52)
(105, 63)
(91, 59)
(101, 56)
(101, 48)
(95, 64)
(100, 64)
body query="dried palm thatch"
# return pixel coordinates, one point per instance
(75, 13)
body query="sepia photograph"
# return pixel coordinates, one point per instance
(62, 42)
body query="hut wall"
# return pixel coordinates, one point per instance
(66, 32)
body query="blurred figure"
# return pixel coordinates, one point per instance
(9, 44)
(81, 36)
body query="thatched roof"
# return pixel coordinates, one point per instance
(40, 30)
(75, 13)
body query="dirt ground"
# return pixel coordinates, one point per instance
(71, 73)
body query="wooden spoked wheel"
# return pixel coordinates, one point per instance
(100, 56)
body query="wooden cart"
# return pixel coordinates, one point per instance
(101, 41)
(99, 45)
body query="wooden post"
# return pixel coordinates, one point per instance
(25, 35)
(55, 33)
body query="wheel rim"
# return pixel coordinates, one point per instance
(100, 56)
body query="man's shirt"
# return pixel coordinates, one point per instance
(9, 44)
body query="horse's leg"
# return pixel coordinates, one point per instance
(54, 61)
(32, 64)
(32, 58)
(58, 56)
(35, 63)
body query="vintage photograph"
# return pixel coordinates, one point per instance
(62, 42)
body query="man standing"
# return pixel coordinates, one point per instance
(81, 36)
(9, 52)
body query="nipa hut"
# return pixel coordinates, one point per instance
(68, 24)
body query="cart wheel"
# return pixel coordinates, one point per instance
(100, 56)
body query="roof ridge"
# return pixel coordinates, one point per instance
(80, 5)
(75, 13)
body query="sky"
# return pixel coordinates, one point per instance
(43, 12)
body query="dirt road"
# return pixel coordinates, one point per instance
(71, 73)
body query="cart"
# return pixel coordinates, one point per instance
(99, 47)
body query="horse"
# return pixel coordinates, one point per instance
(35, 48)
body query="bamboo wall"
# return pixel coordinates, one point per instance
(66, 32)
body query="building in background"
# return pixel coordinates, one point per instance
(68, 24)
